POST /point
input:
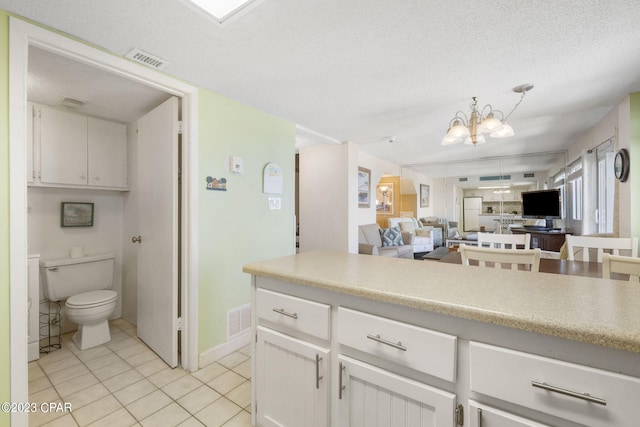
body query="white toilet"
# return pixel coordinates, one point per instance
(85, 283)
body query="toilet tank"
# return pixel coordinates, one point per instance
(63, 278)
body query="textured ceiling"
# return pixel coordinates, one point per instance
(366, 70)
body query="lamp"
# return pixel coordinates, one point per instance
(482, 121)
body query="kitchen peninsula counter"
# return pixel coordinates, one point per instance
(334, 333)
(589, 310)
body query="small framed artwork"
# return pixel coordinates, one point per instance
(364, 187)
(73, 214)
(424, 196)
(384, 199)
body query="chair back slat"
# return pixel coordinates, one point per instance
(612, 245)
(621, 264)
(501, 258)
(504, 241)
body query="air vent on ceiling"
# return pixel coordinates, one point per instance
(71, 103)
(463, 179)
(529, 175)
(495, 177)
(147, 59)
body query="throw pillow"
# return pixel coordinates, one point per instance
(391, 236)
(407, 226)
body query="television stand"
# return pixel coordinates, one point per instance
(547, 240)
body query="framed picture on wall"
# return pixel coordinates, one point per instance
(384, 198)
(424, 196)
(364, 187)
(74, 214)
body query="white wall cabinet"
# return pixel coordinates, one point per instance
(73, 150)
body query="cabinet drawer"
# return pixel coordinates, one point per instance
(486, 416)
(293, 313)
(427, 351)
(574, 392)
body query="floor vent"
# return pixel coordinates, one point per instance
(238, 320)
(147, 59)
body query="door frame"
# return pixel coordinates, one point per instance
(22, 35)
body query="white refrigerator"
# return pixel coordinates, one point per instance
(471, 207)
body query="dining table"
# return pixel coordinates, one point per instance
(553, 265)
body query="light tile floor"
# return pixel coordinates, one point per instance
(124, 383)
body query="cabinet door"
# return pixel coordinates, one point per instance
(291, 381)
(30, 143)
(370, 396)
(486, 416)
(63, 147)
(107, 153)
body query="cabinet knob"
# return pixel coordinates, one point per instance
(135, 239)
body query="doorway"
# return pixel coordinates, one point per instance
(22, 36)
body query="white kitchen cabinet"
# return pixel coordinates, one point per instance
(73, 150)
(569, 391)
(485, 416)
(370, 396)
(291, 378)
(30, 143)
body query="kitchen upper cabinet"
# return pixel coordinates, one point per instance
(74, 150)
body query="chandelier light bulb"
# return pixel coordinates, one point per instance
(505, 132)
(458, 130)
(490, 124)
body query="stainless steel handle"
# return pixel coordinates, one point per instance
(53, 269)
(479, 415)
(286, 313)
(318, 376)
(341, 368)
(578, 395)
(397, 345)
(135, 239)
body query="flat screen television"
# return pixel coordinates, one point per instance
(543, 204)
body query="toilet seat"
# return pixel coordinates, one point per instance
(91, 299)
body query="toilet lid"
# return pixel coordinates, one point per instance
(91, 299)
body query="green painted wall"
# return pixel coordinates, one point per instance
(634, 172)
(236, 226)
(5, 326)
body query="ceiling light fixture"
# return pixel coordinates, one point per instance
(221, 9)
(470, 129)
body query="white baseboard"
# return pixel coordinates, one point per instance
(224, 349)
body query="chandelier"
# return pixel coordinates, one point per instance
(471, 130)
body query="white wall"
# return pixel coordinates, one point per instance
(47, 238)
(324, 210)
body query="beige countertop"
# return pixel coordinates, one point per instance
(596, 311)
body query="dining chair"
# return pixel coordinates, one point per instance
(500, 258)
(504, 241)
(599, 244)
(621, 264)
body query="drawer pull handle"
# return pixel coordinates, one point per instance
(285, 313)
(341, 388)
(397, 345)
(318, 376)
(583, 396)
(479, 415)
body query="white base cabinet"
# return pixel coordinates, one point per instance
(325, 358)
(370, 396)
(291, 381)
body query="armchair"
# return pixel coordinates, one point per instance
(370, 243)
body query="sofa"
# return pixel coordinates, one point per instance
(425, 238)
(370, 242)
